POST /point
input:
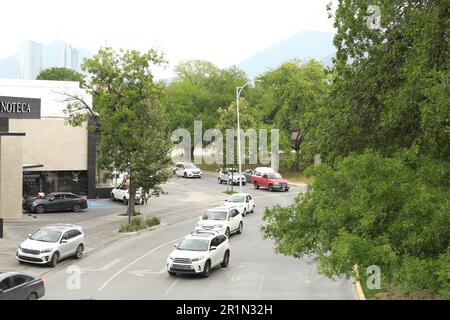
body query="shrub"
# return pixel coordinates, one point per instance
(138, 223)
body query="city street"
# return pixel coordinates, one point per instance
(133, 267)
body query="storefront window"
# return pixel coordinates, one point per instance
(54, 181)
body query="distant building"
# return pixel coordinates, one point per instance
(31, 60)
(70, 58)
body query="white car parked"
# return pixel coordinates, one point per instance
(224, 219)
(121, 193)
(199, 253)
(230, 176)
(52, 243)
(242, 201)
(187, 170)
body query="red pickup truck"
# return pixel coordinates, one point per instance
(269, 179)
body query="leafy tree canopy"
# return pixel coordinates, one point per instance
(61, 74)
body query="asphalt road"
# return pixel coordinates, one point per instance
(133, 268)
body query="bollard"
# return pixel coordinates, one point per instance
(1, 228)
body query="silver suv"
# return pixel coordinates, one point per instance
(52, 243)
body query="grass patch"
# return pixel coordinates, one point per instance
(139, 224)
(135, 213)
(230, 192)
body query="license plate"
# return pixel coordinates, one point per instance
(181, 267)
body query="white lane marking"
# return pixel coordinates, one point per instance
(134, 261)
(171, 287)
(105, 267)
(141, 273)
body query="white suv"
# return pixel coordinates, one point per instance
(231, 176)
(222, 219)
(242, 201)
(51, 243)
(121, 193)
(199, 253)
(187, 170)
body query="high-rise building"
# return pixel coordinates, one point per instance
(70, 58)
(31, 60)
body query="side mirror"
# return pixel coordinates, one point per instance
(213, 248)
(175, 245)
(29, 235)
(200, 217)
(63, 240)
(226, 200)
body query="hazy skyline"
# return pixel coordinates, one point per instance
(223, 32)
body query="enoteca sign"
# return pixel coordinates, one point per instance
(20, 108)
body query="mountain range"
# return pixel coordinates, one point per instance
(304, 45)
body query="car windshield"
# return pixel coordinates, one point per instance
(190, 166)
(194, 245)
(274, 175)
(236, 199)
(46, 235)
(215, 215)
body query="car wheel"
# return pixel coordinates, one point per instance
(54, 260)
(219, 180)
(287, 189)
(241, 227)
(243, 183)
(171, 273)
(76, 208)
(185, 175)
(244, 213)
(256, 185)
(226, 259)
(32, 296)
(206, 269)
(112, 197)
(40, 209)
(79, 252)
(125, 201)
(253, 209)
(227, 232)
(270, 188)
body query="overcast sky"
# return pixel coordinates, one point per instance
(224, 32)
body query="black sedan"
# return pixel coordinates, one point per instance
(19, 286)
(56, 201)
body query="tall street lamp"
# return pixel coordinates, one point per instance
(238, 94)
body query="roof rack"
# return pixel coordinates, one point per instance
(61, 225)
(211, 232)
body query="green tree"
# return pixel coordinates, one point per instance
(289, 98)
(61, 74)
(372, 210)
(132, 126)
(390, 84)
(199, 89)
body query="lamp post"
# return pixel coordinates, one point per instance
(238, 94)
